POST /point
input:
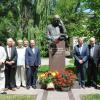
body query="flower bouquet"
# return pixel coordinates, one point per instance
(46, 79)
(65, 80)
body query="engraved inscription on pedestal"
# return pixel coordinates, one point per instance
(57, 56)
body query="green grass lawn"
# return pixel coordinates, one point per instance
(91, 97)
(43, 68)
(17, 97)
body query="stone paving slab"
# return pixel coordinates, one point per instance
(54, 95)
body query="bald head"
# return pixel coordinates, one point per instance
(10, 42)
(92, 41)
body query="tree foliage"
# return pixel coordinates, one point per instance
(29, 18)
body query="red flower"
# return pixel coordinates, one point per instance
(65, 78)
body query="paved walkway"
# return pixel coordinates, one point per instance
(41, 94)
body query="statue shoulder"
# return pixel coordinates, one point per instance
(50, 26)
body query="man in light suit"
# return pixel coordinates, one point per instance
(94, 57)
(20, 73)
(2, 68)
(32, 60)
(10, 65)
(81, 54)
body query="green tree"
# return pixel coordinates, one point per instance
(29, 18)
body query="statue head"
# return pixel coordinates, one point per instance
(56, 20)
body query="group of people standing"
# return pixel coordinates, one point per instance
(18, 65)
(87, 62)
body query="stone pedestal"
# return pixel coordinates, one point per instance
(57, 56)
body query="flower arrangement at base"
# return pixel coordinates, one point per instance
(57, 80)
(65, 80)
(46, 79)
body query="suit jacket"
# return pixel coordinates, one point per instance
(96, 54)
(32, 59)
(2, 58)
(2, 54)
(13, 55)
(81, 56)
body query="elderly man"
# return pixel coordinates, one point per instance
(10, 65)
(32, 60)
(2, 68)
(94, 56)
(20, 73)
(81, 53)
(26, 43)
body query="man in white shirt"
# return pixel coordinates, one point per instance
(20, 73)
(2, 68)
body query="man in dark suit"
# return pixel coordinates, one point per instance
(10, 65)
(32, 60)
(81, 54)
(94, 56)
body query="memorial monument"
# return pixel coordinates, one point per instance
(56, 38)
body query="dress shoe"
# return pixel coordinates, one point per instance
(3, 92)
(13, 89)
(34, 86)
(95, 86)
(88, 84)
(28, 87)
(83, 86)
